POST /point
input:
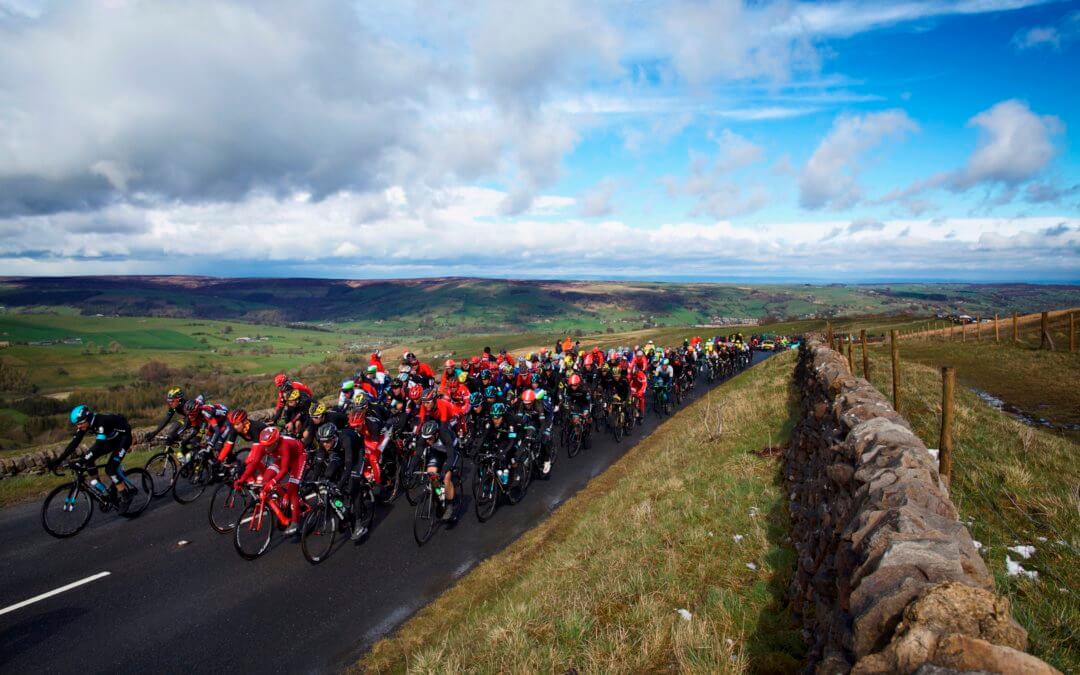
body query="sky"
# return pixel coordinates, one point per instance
(832, 141)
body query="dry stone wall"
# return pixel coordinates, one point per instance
(888, 580)
(36, 461)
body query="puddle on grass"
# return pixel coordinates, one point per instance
(1022, 415)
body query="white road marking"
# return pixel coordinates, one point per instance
(56, 591)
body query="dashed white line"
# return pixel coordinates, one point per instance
(55, 591)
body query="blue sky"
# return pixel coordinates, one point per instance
(846, 140)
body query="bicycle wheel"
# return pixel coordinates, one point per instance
(391, 486)
(617, 428)
(66, 511)
(414, 481)
(426, 516)
(143, 485)
(318, 533)
(364, 507)
(254, 531)
(519, 480)
(573, 442)
(485, 492)
(191, 480)
(226, 505)
(162, 469)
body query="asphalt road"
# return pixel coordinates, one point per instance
(163, 607)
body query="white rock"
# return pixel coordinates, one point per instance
(684, 614)
(1043, 539)
(183, 542)
(751, 566)
(1024, 551)
(737, 538)
(1013, 569)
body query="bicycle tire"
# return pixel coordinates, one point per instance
(390, 490)
(252, 535)
(226, 506)
(318, 533)
(414, 480)
(144, 492)
(364, 507)
(424, 517)
(164, 475)
(80, 522)
(519, 482)
(573, 447)
(617, 428)
(191, 481)
(485, 492)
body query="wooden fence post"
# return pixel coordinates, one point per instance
(978, 329)
(850, 356)
(1072, 332)
(963, 330)
(865, 360)
(895, 371)
(945, 445)
(1016, 329)
(997, 329)
(1045, 341)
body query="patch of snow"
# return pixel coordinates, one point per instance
(684, 614)
(1023, 551)
(1013, 568)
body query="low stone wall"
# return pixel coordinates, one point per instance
(888, 580)
(36, 460)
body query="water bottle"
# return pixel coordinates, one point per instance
(504, 476)
(439, 492)
(97, 485)
(338, 503)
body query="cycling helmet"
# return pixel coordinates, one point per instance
(474, 360)
(429, 430)
(174, 393)
(190, 406)
(430, 395)
(237, 417)
(270, 436)
(450, 364)
(327, 432)
(485, 374)
(491, 392)
(476, 398)
(665, 362)
(408, 356)
(80, 414)
(574, 380)
(462, 377)
(348, 385)
(294, 396)
(361, 398)
(319, 410)
(528, 396)
(415, 392)
(372, 369)
(498, 410)
(541, 394)
(280, 380)
(356, 418)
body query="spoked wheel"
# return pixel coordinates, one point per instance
(364, 508)
(573, 442)
(391, 486)
(191, 480)
(254, 531)
(617, 428)
(519, 479)
(413, 480)
(226, 505)
(426, 516)
(143, 485)
(66, 511)
(162, 469)
(319, 532)
(485, 491)
(678, 395)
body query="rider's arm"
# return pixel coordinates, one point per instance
(71, 446)
(165, 422)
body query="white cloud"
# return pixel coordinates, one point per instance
(858, 16)
(1051, 37)
(830, 176)
(735, 151)
(708, 182)
(597, 201)
(1014, 145)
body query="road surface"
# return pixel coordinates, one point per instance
(145, 603)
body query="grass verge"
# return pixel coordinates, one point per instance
(596, 587)
(1014, 485)
(29, 487)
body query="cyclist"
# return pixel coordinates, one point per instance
(343, 459)
(440, 456)
(285, 459)
(536, 411)
(638, 384)
(175, 399)
(285, 387)
(443, 411)
(577, 398)
(420, 369)
(501, 433)
(240, 426)
(321, 414)
(112, 436)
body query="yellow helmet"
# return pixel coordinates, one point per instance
(319, 410)
(294, 396)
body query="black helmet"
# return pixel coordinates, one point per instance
(429, 430)
(190, 405)
(327, 432)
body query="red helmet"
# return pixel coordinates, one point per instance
(588, 360)
(450, 364)
(280, 380)
(270, 437)
(356, 418)
(475, 360)
(237, 417)
(528, 396)
(430, 395)
(415, 391)
(575, 380)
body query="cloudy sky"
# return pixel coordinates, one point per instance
(846, 140)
